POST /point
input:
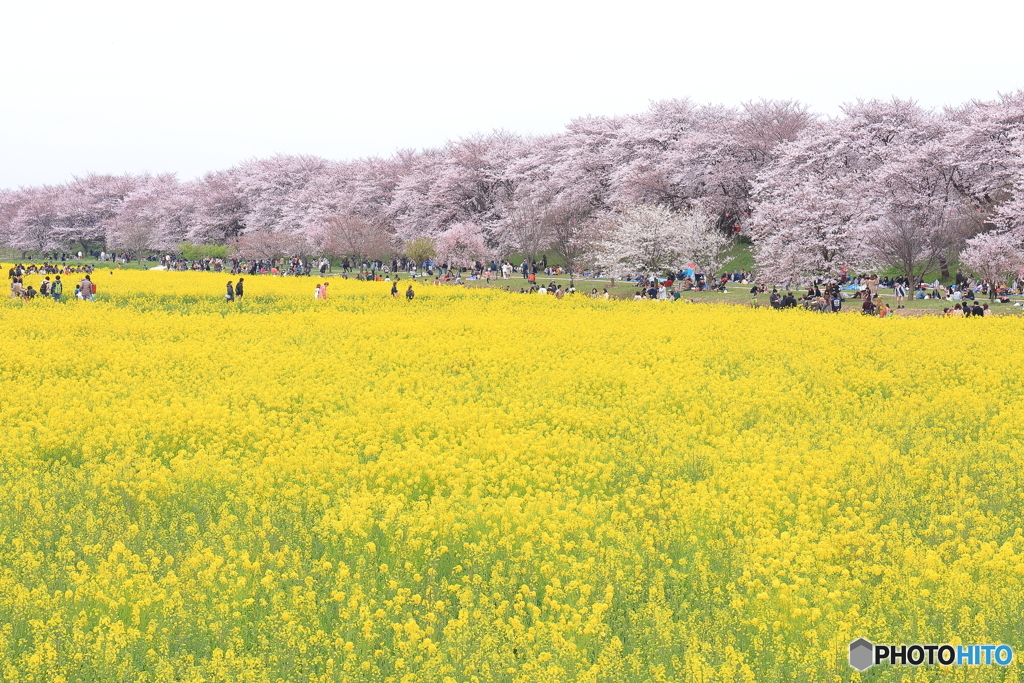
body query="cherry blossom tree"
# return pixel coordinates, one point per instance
(827, 200)
(11, 202)
(32, 228)
(709, 246)
(884, 183)
(220, 208)
(347, 235)
(651, 239)
(271, 189)
(268, 244)
(919, 218)
(685, 157)
(913, 242)
(988, 153)
(86, 206)
(462, 245)
(466, 181)
(525, 228)
(153, 216)
(996, 257)
(1010, 212)
(574, 233)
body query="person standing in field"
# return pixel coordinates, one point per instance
(238, 289)
(56, 289)
(394, 290)
(230, 295)
(836, 302)
(88, 289)
(872, 283)
(409, 294)
(323, 291)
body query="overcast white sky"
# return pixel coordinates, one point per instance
(193, 86)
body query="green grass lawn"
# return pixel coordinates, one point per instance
(15, 257)
(739, 294)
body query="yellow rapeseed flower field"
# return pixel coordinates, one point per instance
(481, 486)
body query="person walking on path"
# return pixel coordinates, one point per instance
(901, 292)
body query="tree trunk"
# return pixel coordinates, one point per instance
(944, 266)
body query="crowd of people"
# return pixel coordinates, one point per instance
(822, 295)
(48, 288)
(47, 268)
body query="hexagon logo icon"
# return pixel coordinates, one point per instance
(862, 654)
